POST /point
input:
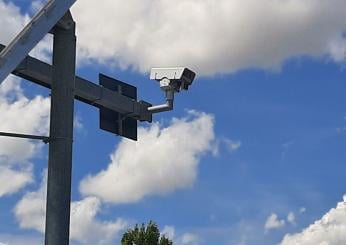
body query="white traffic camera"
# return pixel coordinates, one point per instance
(175, 79)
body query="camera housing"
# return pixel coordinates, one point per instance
(172, 80)
(176, 79)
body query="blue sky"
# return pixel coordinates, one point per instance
(266, 136)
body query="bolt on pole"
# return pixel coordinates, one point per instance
(61, 137)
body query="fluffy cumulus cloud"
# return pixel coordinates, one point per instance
(19, 114)
(13, 180)
(273, 222)
(85, 227)
(30, 211)
(329, 230)
(169, 231)
(11, 21)
(210, 36)
(162, 160)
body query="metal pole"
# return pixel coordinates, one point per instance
(61, 138)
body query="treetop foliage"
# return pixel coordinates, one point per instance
(145, 235)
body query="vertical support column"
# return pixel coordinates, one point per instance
(61, 137)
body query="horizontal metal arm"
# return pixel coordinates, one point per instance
(45, 139)
(88, 92)
(161, 108)
(168, 106)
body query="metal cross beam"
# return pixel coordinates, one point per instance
(33, 32)
(88, 92)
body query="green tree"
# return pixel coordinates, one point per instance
(145, 235)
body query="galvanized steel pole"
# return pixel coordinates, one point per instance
(61, 137)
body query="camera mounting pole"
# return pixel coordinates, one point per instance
(169, 91)
(61, 136)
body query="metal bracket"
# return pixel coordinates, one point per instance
(113, 121)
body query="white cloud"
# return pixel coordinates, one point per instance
(78, 123)
(229, 144)
(161, 161)
(30, 211)
(20, 239)
(85, 227)
(11, 21)
(189, 239)
(13, 180)
(338, 49)
(330, 230)
(273, 222)
(43, 50)
(36, 5)
(291, 218)
(232, 145)
(302, 210)
(210, 36)
(169, 232)
(19, 115)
